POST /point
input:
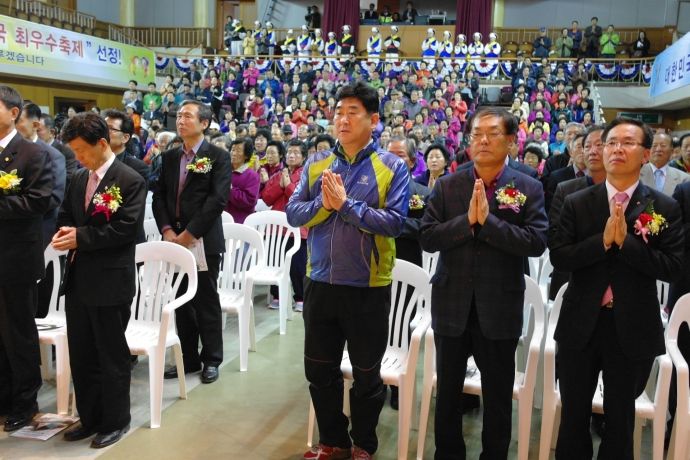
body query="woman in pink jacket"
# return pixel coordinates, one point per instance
(250, 75)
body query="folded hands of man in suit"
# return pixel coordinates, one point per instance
(183, 239)
(616, 228)
(65, 239)
(479, 205)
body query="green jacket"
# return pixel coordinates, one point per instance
(152, 97)
(564, 46)
(609, 43)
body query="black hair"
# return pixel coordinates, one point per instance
(176, 140)
(325, 138)
(578, 136)
(263, 132)
(534, 149)
(595, 18)
(127, 126)
(248, 147)
(302, 146)
(33, 112)
(366, 94)
(152, 83)
(86, 125)
(680, 141)
(591, 130)
(205, 113)
(48, 121)
(135, 82)
(647, 133)
(11, 98)
(509, 121)
(278, 145)
(442, 148)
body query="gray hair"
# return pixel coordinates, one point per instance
(409, 145)
(581, 128)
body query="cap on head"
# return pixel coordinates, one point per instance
(317, 32)
(493, 36)
(215, 126)
(269, 25)
(305, 28)
(543, 29)
(287, 129)
(257, 23)
(462, 37)
(375, 30)
(431, 31)
(477, 36)
(290, 31)
(446, 33)
(331, 34)
(394, 28)
(346, 28)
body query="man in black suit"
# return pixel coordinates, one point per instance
(371, 12)
(21, 263)
(187, 206)
(592, 36)
(478, 288)
(121, 130)
(576, 170)
(151, 114)
(555, 162)
(609, 319)
(99, 282)
(46, 131)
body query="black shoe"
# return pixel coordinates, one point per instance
(79, 433)
(394, 397)
(209, 375)
(108, 439)
(17, 420)
(172, 372)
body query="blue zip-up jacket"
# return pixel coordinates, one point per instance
(356, 245)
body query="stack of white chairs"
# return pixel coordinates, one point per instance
(242, 261)
(151, 330)
(399, 363)
(275, 231)
(523, 388)
(151, 231)
(53, 332)
(679, 447)
(650, 405)
(430, 261)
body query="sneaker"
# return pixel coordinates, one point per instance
(299, 307)
(274, 305)
(321, 452)
(360, 454)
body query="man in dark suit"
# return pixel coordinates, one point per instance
(592, 36)
(576, 170)
(556, 162)
(121, 130)
(46, 131)
(151, 114)
(609, 319)
(371, 12)
(478, 288)
(22, 208)
(99, 282)
(187, 206)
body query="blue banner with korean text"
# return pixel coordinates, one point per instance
(671, 68)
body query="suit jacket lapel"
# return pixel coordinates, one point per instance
(464, 187)
(506, 177)
(599, 204)
(177, 157)
(7, 154)
(638, 203)
(201, 153)
(670, 182)
(107, 181)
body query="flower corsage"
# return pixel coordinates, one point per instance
(200, 165)
(649, 222)
(509, 197)
(9, 182)
(107, 202)
(416, 202)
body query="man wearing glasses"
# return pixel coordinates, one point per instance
(609, 320)
(121, 129)
(485, 221)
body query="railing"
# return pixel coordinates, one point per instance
(45, 10)
(598, 110)
(169, 36)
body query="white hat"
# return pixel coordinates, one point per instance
(493, 36)
(346, 27)
(375, 30)
(331, 34)
(269, 25)
(290, 31)
(257, 23)
(463, 37)
(317, 31)
(235, 22)
(430, 31)
(305, 27)
(475, 35)
(394, 28)
(214, 125)
(446, 33)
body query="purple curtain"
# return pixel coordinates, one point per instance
(473, 16)
(337, 13)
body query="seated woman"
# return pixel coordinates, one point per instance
(541, 88)
(539, 108)
(437, 160)
(299, 116)
(277, 193)
(534, 157)
(244, 192)
(538, 139)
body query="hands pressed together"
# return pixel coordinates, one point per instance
(285, 178)
(616, 228)
(184, 239)
(479, 205)
(332, 191)
(65, 239)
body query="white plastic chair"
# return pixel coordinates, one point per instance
(151, 231)
(275, 230)
(645, 407)
(534, 265)
(680, 436)
(545, 280)
(399, 363)
(662, 292)
(261, 206)
(243, 259)
(430, 261)
(148, 211)
(523, 388)
(149, 197)
(151, 329)
(227, 218)
(57, 336)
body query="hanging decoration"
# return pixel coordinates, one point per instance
(628, 72)
(162, 62)
(487, 68)
(182, 63)
(646, 73)
(606, 71)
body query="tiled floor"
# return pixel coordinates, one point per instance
(258, 414)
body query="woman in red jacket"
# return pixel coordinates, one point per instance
(277, 193)
(299, 117)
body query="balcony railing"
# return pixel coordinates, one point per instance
(177, 37)
(64, 15)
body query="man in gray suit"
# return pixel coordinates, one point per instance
(657, 174)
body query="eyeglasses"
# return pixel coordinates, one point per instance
(110, 128)
(490, 136)
(626, 144)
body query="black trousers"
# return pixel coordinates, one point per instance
(201, 317)
(592, 51)
(335, 314)
(624, 380)
(496, 362)
(100, 361)
(20, 356)
(298, 269)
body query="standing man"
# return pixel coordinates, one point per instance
(187, 205)
(484, 236)
(99, 282)
(46, 131)
(574, 171)
(610, 320)
(354, 200)
(576, 35)
(657, 174)
(121, 130)
(592, 36)
(22, 207)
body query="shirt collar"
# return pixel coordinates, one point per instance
(4, 142)
(195, 149)
(663, 168)
(242, 168)
(100, 172)
(611, 190)
(577, 170)
(367, 148)
(496, 179)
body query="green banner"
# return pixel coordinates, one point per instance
(44, 51)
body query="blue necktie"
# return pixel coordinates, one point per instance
(659, 180)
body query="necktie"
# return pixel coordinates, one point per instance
(618, 198)
(659, 180)
(91, 187)
(579, 174)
